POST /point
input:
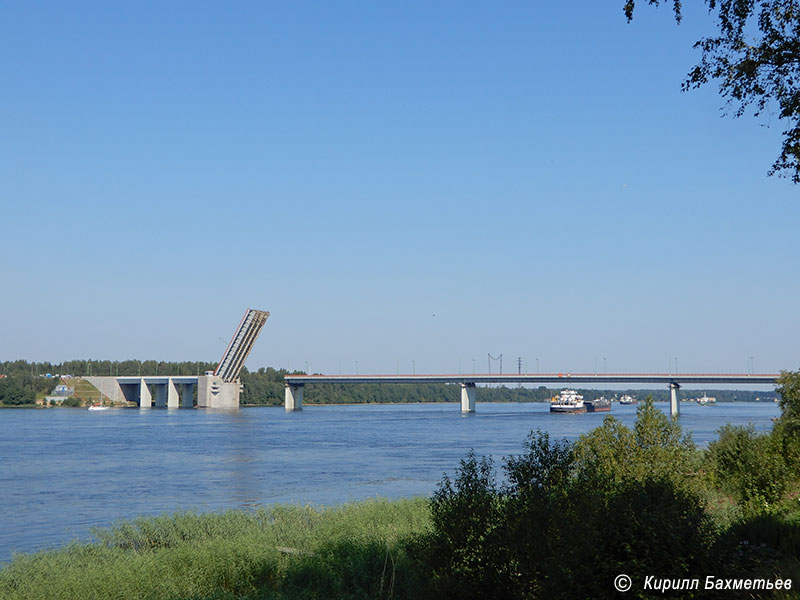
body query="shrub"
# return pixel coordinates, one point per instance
(468, 551)
(13, 394)
(559, 530)
(749, 466)
(655, 448)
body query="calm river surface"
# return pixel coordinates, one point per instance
(65, 471)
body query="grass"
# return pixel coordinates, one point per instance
(352, 551)
(84, 390)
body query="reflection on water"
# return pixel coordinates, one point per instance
(64, 471)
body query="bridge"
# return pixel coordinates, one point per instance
(294, 383)
(217, 389)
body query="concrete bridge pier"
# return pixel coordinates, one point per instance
(161, 395)
(467, 397)
(145, 398)
(187, 395)
(674, 401)
(172, 394)
(294, 396)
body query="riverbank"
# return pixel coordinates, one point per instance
(277, 552)
(376, 549)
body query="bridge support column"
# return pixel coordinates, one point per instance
(187, 395)
(467, 397)
(294, 397)
(172, 394)
(145, 399)
(161, 395)
(674, 401)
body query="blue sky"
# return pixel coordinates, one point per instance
(395, 182)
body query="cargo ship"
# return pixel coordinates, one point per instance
(601, 404)
(568, 401)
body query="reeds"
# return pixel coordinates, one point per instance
(352, 551)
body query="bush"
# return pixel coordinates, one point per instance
(13, 394)
(557, 530)
(656, 448)
(749, 466)
(468, 551)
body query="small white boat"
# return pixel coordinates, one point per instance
(626, 399)
(98, 407)
(706, 400)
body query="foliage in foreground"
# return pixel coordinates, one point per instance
(568, 518)
(354, 551)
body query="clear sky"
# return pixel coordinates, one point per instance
(394, 181)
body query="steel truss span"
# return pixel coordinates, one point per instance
(240, 345)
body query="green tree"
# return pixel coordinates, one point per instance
(755, 57)
(787, 428)
(468, 551)
(749, 465)
(656, 447)
(14, 394)
(559, 531)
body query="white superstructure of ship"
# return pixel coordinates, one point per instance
(706, 400)
(567, 401)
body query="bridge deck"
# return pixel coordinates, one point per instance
(537, 378)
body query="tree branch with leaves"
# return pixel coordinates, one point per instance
(756, 59)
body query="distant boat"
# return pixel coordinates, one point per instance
(626, 399)
(706, 400)
(568, 401)
(98, 407)
(601, 404)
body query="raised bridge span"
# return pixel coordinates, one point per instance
(468, 383)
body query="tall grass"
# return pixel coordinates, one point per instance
(352, 551)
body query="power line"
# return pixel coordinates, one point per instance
(491, 358)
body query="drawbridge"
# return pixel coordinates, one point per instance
(215, 389)
(221, 388)
(240, 345)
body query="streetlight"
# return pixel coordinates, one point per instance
(413, 367)
(537, 366)
(473, 366)
(356, 367)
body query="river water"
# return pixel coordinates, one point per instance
(65, 471)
